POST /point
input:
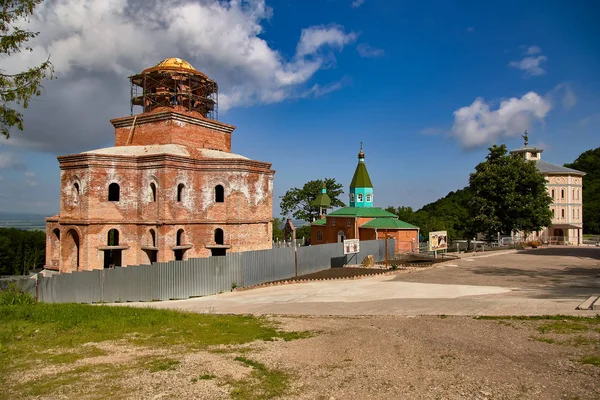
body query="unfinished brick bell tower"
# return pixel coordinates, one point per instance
(170, 188)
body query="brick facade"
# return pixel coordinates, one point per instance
(181, 194)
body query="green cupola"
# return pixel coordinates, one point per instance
(322, 201)
(361, 188)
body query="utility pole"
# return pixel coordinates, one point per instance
(386, 249)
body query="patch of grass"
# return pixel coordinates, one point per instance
(591, 320)
(13, 296)
(162, 364)
(563, 327)
(72, 356)
(543, 339)
(203, 377)
(264, 383)
(593, 360)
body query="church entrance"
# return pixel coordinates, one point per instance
(341, 237)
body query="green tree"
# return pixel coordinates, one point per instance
(508, 195)
(278, 229)
(297, 201)
(18, 88)
(589, 162)
(21, 250)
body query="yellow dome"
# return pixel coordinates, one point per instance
(175, 63)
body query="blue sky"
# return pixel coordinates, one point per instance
(402, 77)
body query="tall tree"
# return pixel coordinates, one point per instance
(18, 88)
(589, 162)
(297, 201)
(508, 195)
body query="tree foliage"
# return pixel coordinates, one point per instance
(278, 229)
(449, 213)
(297, 201)
(589, 162)
(508, 195)
(21, 250)
(17, 89)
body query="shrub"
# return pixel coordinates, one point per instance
(13, 296)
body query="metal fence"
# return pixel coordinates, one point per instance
(196, 277)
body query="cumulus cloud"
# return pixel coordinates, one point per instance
(367, 51)
(564, 94)
(357, 3)
(529, 63)
(96, 44)
(11, 161)
(478, 124)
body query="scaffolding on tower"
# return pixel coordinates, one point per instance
(174, 83)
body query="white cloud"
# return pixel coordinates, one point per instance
(313, 38)
(11, 161)
(30, 174)
(95, 44)
(357, 3)
(367, 51)
(531, 65)
(477, 125)
(567, 96)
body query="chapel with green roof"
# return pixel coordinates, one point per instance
(361, 220)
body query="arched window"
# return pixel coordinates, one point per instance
(360, 197)
(553, 213)
(113, 237)
(180, 237)
(352, 197)
(332, 221)
(573, 213)
(152, 192)
(152, 237)
(180, 189)
(562, 213)
(553, 197)
(219, 194)
(319, 236)
(562, 193)
(114, 192)
(219, 236)
(76, 192)
(368, 198)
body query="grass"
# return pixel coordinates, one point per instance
(264, 383)
(162, 364)
(204, 377)
(592, 360)
(33, 336)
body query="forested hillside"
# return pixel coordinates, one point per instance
(589, 162)
(21, 250)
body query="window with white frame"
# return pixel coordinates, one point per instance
(348, 223)
(368, 198)
(360, 198)
(332, 221)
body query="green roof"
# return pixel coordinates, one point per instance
(361, 177)
(388, 223)
(321, 221)
(323, 200)
(367, 212)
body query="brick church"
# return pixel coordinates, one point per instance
(361, 220)
(169, 189)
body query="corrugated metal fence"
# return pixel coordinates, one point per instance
(198, 276)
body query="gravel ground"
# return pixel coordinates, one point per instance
(365, 358)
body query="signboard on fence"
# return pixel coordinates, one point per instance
(438, 240)
(351, 246)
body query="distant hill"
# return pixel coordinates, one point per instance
(589, 162)
(25, 221)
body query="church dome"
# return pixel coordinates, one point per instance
(174, 64)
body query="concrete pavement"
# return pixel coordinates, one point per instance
(538, 282)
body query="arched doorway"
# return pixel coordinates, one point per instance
(71, 252)
(341, 236)
(112, 257)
